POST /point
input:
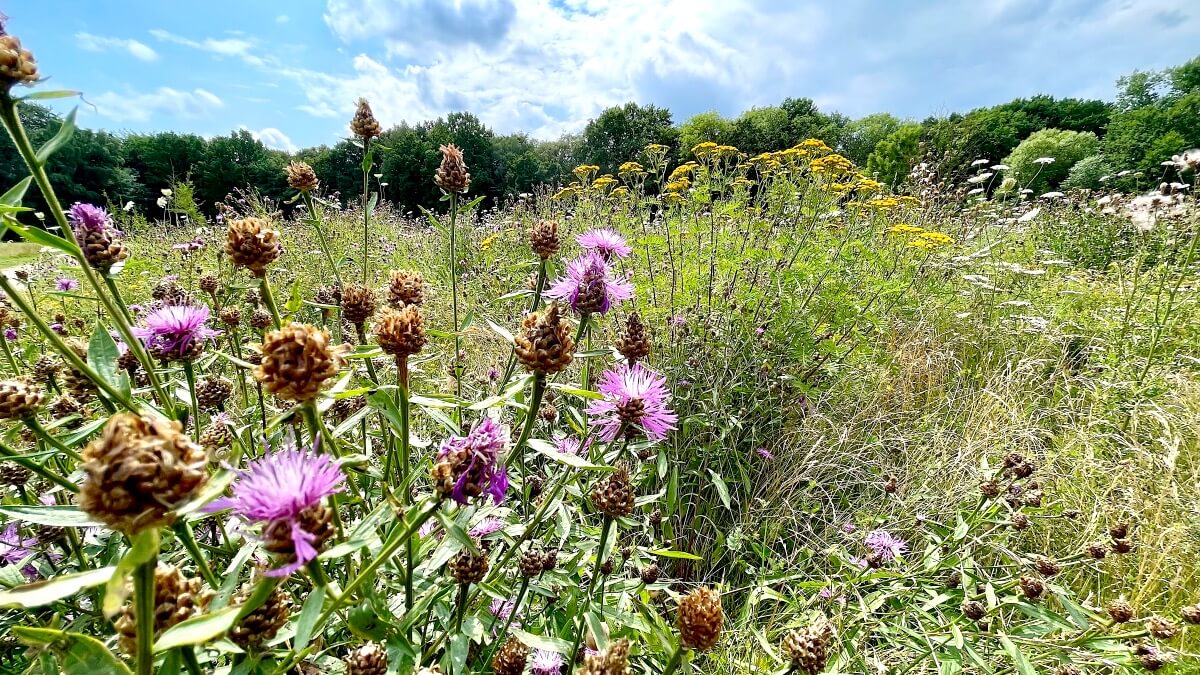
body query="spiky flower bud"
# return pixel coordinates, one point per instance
(297, 360)
(635, 343)
(1119, 531)
(1020, 521)
(176, 598)
(531, 562)
(1161, 628)
(209, 283)
(13, 474)
(65, 405)
(545, 345)
(1047, 567)
(700, 619)
(973, 610)
(300, 176)
(400, 332)
(316, 522)
(232, 315)
(612, 661)
(650, 574)
(264, 622)
(808, 649)
(550, 560)
(1122, 546)
(364, 125)
(613, 494)
(1120, 610)
(468, 567)
(17, 65)
(606, 567)
(1068, 669)
(212, 392)
(99, 240)
(452, 175)
(138, 470)
(1032, 587)
(1152, 658)
(1191, 614)
(215, 437)
(358, 303)
(261, 319)
(405, 287)
(46, 367)
(19, 399)
(543, 238)
(510, 660)
(1097, 551)
(252, 243)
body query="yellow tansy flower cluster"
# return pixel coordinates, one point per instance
(832, 165)
(585, 170)
(631, 167)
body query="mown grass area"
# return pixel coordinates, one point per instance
(14, 254)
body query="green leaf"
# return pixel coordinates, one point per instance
(16, 193)
(1022, 664)
(198, 630)
(45, 592)
(513, 389)
(545, 448)
(65, 132)
(667, 553)
(212, 489)
(295, 300)
(36, 235)
(576, 391)
(722, 489)
(501, 331)
(549, 644)
(57, 516)
(45, 95)
(102, 356)
(597, 629)
(77, 654)
(145, 546)
(308, 615)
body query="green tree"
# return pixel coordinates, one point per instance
(862, 135)
(238, 161)
(705, 126)
(619, 134)
(1064, 147)
(159, 160)
(893, 157)
(761, 130)
(1087, 172)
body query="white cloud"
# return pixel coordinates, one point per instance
(165, 101)
(273, 138)
(233, 47)
(99, 43)
(282, 18)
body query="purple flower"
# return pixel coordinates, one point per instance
(604, 241)
(570, 445)
(427, 528)
(485, 527)
(65, 284)
(480, 451)
(10, 333)
(764, 453)
(546, 662)
(589, 285)
(57, 327)
(493, 374)
(635, 396)
(679, 320)
(281, 486)
(849, 527)
(826, 593)
(884, 544)
(88, 218)
(502, 609)
(14, 549)
(176, 332)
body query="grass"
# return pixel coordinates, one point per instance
(14, 254)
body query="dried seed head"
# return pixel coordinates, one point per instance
(700, 619)
(65, 405)
(1122, 546)
(400, 332)
(1161, 628)
(1020, 521)
(300, 176)
(17, 65)
(212, 392)
(613, 494)
(1119, 531)
(650, 574)
(550, 560)
(358, 303)
(364, 125)
(264, 622)
(209, 283)
(612, 661)
(405, 287)
(297, 360)
(545, 344)
(1047, 567)
(808, 649)
(468, 567)
(138, 470)
(953, 579)
(176, 598)
(606, 567)
(1032, 587)
(252, 243)
(13, 474)
(543, 238)
(1191, 614)
(214, 438)
(261, 319)
(532, 563)
(1097, 551)
(369, 659)
(510, 660)
(316, 522)
(452, 175)
(973, 610)
(1120, 610)
(46, 367)
(635, 343)
(1151, 657)
(19, 399)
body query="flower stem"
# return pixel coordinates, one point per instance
(533, 307)
(402, 403)
(315, 220)
(189, 660)
(143, 593)
(366, 168)
(18, 458)
(454, 300)
(189, 372)
(676, 659)
(183, 530)
(511, 617)
(605, 531)
(37, 428)
(12, 362)
(269, 298)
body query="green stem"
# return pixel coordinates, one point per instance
(454, 300)
(315, 219)
(676, 659)
(10, 454)
(183, 530)
(605, 530)
(402, 402)
(189, 660)
(143, 593)
(269, 299)
(12, 362)
(533, 307)
(41, 432)
(189, 372)
(366, 168)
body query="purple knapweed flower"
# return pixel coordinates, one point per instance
(14, 549)
(849, 527)
(502, 609)
(476, 460)
(884, 544)
(589, 286)
(635, 398)
(571, 445)
(485, 527)
(65, 284)
(88, 218)
(493, 374)
(280, 487)
(604, 241)
(10, 333)
(764, 453)
(428, 527)
(176, 332)
(826, 593)
(546, 662)
(58, 328)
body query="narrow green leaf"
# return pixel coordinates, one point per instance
(1022, 664)
(667, 553)
(145, 545)
(550, 644)
(46, 95)
(36, 235)
(545, 448)
(16, 193)
(722, 489)
(47, 591)
(65, 132)
(102, 355)
(501, 331)
(198, 630)
(308, 615)
(57, 516)
(77, 654)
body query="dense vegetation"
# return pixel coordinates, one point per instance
(684, 410)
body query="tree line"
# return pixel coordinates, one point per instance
(1155, 115)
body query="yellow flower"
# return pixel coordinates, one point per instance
(832, 165)
(704, 149)
(683, 171)
(656, 148)
(603, 182)
(569, 191)
(814, 146)
(904, 228)
(866, 186)
(631, 167)
(673, 197)
(585, 170)
(883, 203)
(743, 182)
(937, 238)
(726, 151)
(909, 200)
(619, 192)
(487, 243)
(678, 185)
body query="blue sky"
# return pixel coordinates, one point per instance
(290, 72)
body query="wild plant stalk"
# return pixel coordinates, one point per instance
(144, 601)
(534, 303)
(316, 221)
(605, 532)
(367, 163)
(189, 373)
(268, 297)
(12, 455)
(453, 263)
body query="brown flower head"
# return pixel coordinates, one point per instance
(262, 623)
(510, 660)
(1191, 614)
(1032, 587)
(808, 649)
(468, 567)
(1161, 628)
(545, 344)
(700, 619)
(369, 659)
(19, 399)
(452, 175)
(358, 303)
(543, 238)
(400, 332)
(17, 65)
(635, 343)
(138, 470)
(973, 610)
(252, 243)
(405, 287)
(176, 598)
(297, 360)
(231, 315)
(300, 176)
(364, 125)
(613, 494)
(612, 661)
(212, 392)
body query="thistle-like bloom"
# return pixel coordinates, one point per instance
(485, 527)
(88, 218)
(604, 241)
(98, 238)
(571, 445)
(885, 545)
(546, 662)
(635, 399)
(279, 491)
(176, 332)
(590, 286)
(14, 549)
(65, 284)
(468, 466)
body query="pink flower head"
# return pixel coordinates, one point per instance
(884, 544)
(485, 527)
(88, 218)
(483, 447)
(501, 609)
(10, 333)
(634, 397)
(764, 453)
(571, 445)
(65, 284)
(604, 241)
(590, 286)
(176, 332)
(14, 549)
(546, 662)
(280, 487)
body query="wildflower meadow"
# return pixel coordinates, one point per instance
(690, 409)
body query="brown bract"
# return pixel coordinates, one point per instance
(400, 332)
(297, 361)
(545, 344)
(700, 619)
(452, 175)
(252, 243)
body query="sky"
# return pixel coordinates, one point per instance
(290, 72)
